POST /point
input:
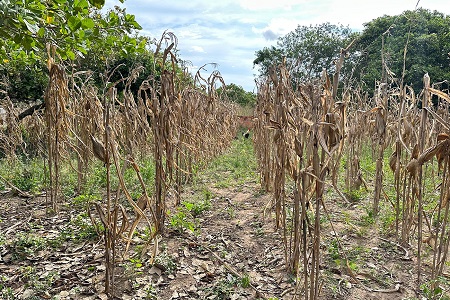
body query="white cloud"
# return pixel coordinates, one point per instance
(197, 49)
(269, 4)
(278, 27)
(191, 32)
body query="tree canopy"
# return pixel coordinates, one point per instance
(426, 36)
(237, 94)
(307, 50)
(77, 30)
(310, 49)
(27, 26)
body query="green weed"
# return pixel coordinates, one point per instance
(387, 219)
(83, 228)
(133, 267)
(78, 229)
(230, 211)
(36, 282)
(245, 281)
(224, 287)
(7, 293)
(166, 261)
(185, 217)
(368, 218)
(151, 293)
(333, 250)
(181, 222)
(84, 200)
(27, 244)
(434, 289)
(147, 233)
(136, 262)
(355, 195)
(198, 207)
(27, 174)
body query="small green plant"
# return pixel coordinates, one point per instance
(96, 178)
(353, 266)
(133, 267)
(207, 194)
(27, 244)
(38, 283)
(146, 233)
(354, 195)
(259, 230)
(47, 281)
(148, 172)
(78, 229)
(25, 174)
(434, 289)
(230, 211)
(387, 219)
(7, 293)
(198, 207)
(224, 287)
(236, 167)
(151, 293)
(245, 281)
(68, 181)
(346, 217)
(368, 219)
(83, 228)
(27, 272)
(166, 261)
(333, 250)
(136, 262)
(181, 222)
(84, 200)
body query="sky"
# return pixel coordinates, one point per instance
(227, 33)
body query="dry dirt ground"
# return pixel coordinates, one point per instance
(236, 254)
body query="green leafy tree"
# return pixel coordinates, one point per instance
(70, 25)
(427, 37)
(237, 94)
(24, 79)
(78, 30)
(266, 58)
(307, 50)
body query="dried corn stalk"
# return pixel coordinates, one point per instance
(57, 123)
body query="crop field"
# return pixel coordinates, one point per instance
(326, 198)
(148, 182)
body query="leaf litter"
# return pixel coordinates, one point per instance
(236, 254)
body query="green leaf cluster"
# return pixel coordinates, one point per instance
(90, 38)
(307, 50)
(27, 26)
(426, 36)
(237, 94)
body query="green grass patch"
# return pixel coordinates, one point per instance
(25, 174)
(236, 167)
